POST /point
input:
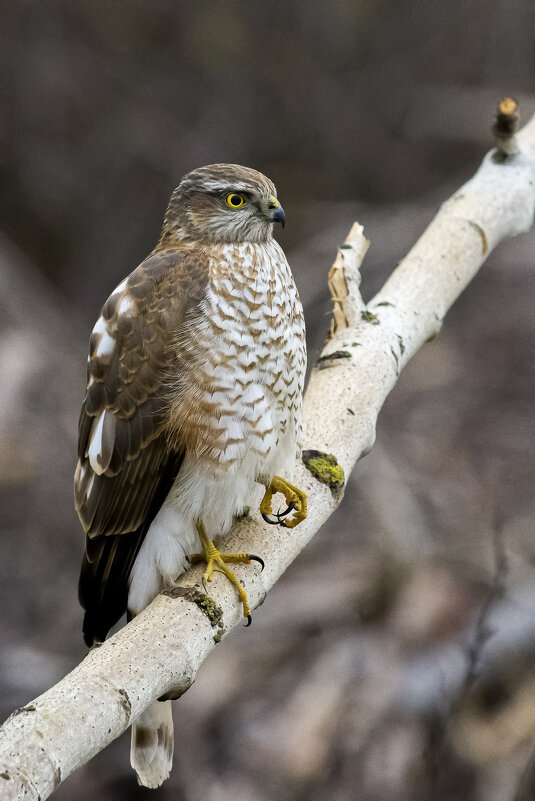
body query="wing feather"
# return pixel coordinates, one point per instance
(123, 417)
(126, 466)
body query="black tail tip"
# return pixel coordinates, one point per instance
(90, 632)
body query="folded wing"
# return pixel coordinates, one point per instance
(126, 465)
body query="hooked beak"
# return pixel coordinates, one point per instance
(276, 213)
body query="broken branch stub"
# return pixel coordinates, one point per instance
(344, 280)
(160, 651)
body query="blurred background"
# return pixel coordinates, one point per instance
(394, 660)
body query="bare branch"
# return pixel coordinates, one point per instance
(161, 650)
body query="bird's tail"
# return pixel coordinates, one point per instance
(151, 751)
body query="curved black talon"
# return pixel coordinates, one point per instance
(204, 585)
(249, 621)
(268, 520)
(291, 508)
(254, 558)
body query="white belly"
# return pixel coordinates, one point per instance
(197, 494)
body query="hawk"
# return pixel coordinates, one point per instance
(194, 391)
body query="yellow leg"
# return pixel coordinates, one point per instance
(295, 498)
(215, 560)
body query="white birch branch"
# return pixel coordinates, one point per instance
(161, 650)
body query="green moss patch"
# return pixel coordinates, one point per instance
(207, 605)
(325, 468)
(369, 317)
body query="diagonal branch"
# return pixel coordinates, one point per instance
(160, 651)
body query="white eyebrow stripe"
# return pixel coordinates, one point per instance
(215, 186)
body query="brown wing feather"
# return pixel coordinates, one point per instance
(128, 390)
(126, 466)
(108, 560)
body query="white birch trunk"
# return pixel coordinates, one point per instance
(161, 650)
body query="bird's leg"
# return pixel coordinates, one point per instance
(295, 498)
(215, 560)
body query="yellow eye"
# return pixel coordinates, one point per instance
(235, 201)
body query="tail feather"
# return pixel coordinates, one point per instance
(151, 752)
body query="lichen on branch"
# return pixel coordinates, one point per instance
(159, 652)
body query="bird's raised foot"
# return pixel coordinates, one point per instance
(295, 498)
(279, 516)
(217, 561)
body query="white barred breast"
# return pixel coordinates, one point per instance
(241, 362)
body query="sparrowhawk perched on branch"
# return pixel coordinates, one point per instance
(194, 393)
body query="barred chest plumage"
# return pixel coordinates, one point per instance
(241, 362)
(236, 409)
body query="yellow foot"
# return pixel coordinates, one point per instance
(215, 560)
(295, 498)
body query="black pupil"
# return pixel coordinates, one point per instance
(235, 200)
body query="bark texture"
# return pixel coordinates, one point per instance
(160, 651)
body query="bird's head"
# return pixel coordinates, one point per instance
(223, 203)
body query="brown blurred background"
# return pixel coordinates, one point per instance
(394, 660)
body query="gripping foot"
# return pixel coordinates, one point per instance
(215, 560)
(295, 498)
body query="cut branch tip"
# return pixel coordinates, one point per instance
(505, 127)
(508, 106)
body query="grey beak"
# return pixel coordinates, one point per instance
(277, 215)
